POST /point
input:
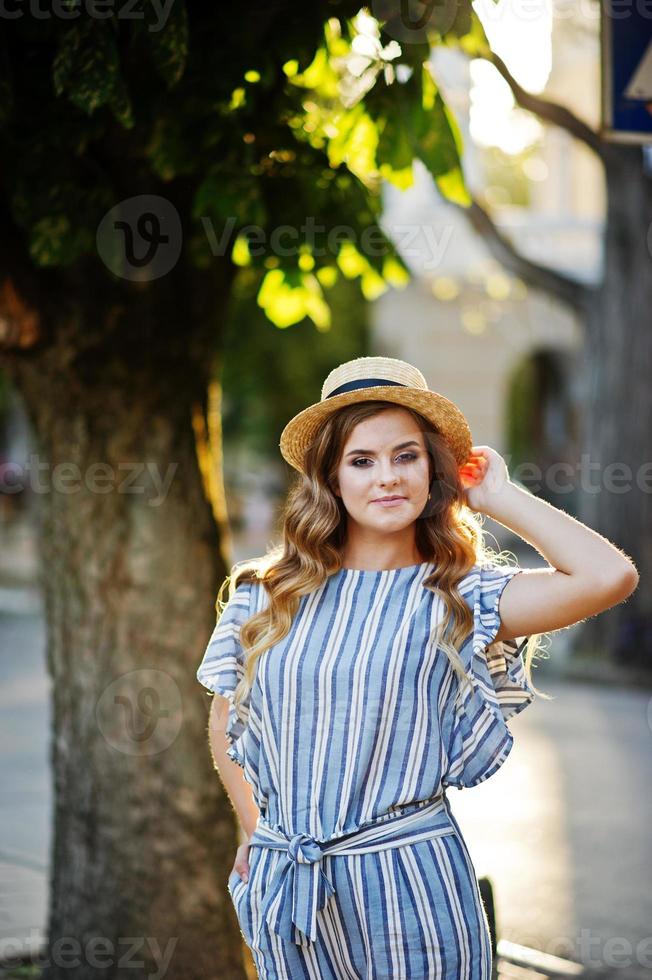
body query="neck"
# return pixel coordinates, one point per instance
(376, 555)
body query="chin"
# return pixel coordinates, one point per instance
(398, 523)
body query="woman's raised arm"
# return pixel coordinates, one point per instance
(588, 573)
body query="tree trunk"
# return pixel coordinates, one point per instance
(143, 836)
(617, 368)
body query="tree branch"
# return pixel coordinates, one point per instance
(552, 112)
(570, 291)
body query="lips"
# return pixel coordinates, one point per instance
(389, 501)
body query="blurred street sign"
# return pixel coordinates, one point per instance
(626, 72)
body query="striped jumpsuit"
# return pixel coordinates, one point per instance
(349, 737)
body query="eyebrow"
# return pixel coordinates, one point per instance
(370, 452)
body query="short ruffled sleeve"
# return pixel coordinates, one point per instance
(480, 738)
(222, 666)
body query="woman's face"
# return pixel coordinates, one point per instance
(384, 456)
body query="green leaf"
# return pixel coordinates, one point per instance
(372, 284)
(288, 296)
(396, 150)
(453, 187)
(435, 142)
(240, 253)
(353, 263)
(395, 273)
(353, 141)
(327, 276)
(55, 241)
(316, 306)
(86, 69)
(474, 42)
(166, 43)
(236, 197)
(414, 122)
(350, 261)
(399, 178)
(319, 76)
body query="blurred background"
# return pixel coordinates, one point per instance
(201, 218)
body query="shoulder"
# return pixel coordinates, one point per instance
(249, 595)
(238, 594)
(486, 579)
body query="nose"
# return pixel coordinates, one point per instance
(387, 473)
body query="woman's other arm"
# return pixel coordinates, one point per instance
(588, 573)
(239, 791)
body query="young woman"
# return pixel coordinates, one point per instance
(369, 662)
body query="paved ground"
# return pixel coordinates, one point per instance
(26, 799)
(563, 828)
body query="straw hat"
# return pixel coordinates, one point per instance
(367, 379)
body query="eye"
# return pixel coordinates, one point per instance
(404, 456)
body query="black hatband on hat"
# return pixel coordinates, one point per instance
(364, 383)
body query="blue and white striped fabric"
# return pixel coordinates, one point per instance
(352, 723)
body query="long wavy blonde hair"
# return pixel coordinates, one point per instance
(313, 522)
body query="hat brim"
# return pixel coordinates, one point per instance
(447, 418)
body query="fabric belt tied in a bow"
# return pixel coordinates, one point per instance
(299, 888)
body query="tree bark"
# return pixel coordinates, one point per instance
(131, 563)
(617, 497)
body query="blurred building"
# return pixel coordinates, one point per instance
(504, 351)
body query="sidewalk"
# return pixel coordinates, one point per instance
(25, 813)
(522, 963)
